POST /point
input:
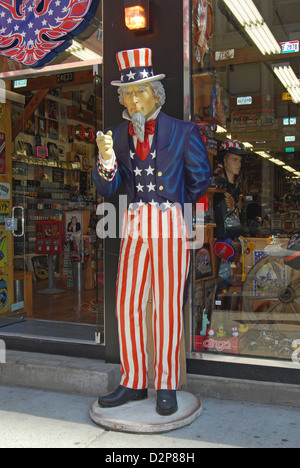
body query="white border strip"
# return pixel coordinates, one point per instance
(253, 361)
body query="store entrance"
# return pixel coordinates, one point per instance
(55, 257)
(11, 302)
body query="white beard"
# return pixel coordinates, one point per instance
(139, 122)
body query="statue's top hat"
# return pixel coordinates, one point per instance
(136, 67)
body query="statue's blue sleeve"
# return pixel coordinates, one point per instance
(105, 187)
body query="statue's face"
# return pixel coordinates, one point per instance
(140, 98)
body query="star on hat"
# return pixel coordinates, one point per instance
(136, 67)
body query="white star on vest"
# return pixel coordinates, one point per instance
(151, 187)
(138, 172)
(167, 205)
(154, 203)
(150, 170)
(140, 188)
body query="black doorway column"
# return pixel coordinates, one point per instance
(165, 38)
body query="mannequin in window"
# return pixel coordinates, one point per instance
(228, 206)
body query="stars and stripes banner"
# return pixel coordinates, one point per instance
(33, 32)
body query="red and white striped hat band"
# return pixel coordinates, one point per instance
(135, 67)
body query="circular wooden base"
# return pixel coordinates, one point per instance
(141, 416)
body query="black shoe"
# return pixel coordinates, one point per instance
(166, 402)
(121, 396)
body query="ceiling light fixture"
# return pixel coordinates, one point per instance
(263, 154)
(221, 129)
(277, 161)
(288, 78)
(250, 18)
(289, 168)
(83, 53)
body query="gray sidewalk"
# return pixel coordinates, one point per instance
(33, 418)
(45, 401)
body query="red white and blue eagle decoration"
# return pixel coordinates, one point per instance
(33, 32)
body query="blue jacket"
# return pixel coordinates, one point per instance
(183, 171)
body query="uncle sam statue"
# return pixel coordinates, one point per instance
(160, 163)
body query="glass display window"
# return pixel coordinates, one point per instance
(245, 63)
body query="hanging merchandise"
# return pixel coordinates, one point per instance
(225, 250)
(3, 294)
(84, 134)
(2, 153)
(33, 32)
(202, 29)
(2, 111)
(293, 252)
(3, 248)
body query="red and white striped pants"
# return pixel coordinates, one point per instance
(154, 254)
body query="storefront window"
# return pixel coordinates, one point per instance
(246, 95)
(48, 150)
(53, 158)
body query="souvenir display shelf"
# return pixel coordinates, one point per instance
(53, 159)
